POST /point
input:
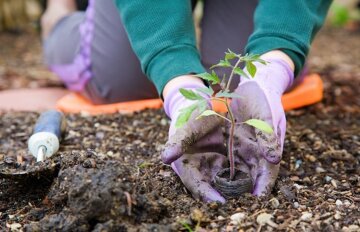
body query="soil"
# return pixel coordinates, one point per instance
(108, 175)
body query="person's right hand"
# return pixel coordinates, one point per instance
(195, 151)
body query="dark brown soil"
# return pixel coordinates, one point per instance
(108, 175)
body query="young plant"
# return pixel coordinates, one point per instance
(223, 96)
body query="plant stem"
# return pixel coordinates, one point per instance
(231, 136)
(232, 125)
(231, 142)
(232, 73)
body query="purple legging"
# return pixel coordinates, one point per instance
(91, 53)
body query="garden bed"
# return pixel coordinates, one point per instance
(108, 175)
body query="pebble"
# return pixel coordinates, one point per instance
(328, 179)
(265, 218)
(14, 226)
(320, 170)
(163, 122)
(221, 218)
(237, 218)
(306, 216)
(311, 158)
(347, 203)
(275, 202)
(338, 202)
(296, 205)
(333, 182)
(337, 215)
(351, 228)
(197, 215)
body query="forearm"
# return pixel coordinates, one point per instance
(163, 37)
(289, 26)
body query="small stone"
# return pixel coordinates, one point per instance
(100, 135)
(354, 228)
(221, 218)
(338, 202)
(347, 203)
(306, 216)
(307, 180)
(320, 170)
(328, 179)
(197, 215)
(14, 226)
(311, 158)
(337, 215)
(110, 153)
(333, 182)
(275, 202)
(265, 218)
(237, 218)
(163, 122)
(298, 187)
(296, 205)
(294, 178)
(164, 173)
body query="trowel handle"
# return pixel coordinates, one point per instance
(51, 121)
(47, 134)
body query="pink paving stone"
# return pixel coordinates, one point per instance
(30, 99)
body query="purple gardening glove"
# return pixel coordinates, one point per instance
(195, 150)
(256, 152)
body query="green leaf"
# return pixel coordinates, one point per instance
(145, 164)
(209, 113)
(253, 58)
(213, 78)
(184, 115)
(206, 113)
(189, 94)
(240, 72)
(230, 55)
(202, 106)
(251, 68)
(207, 90)
(227, 94)
(222, 63)
(260, 124)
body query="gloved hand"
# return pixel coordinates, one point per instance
(195, 150)
(256, 152)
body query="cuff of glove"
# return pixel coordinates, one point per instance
(174, 100)
(288, 82)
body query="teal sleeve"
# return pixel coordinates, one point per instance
(162, 35)
(287, 25)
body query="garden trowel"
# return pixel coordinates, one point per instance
(43, 143)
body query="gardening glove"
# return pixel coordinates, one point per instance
(195, 150)
(256, 152)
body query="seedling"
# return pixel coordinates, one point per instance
(224, 96)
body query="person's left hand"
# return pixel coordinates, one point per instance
(256, 152)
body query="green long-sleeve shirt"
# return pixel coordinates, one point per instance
(162, 34)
